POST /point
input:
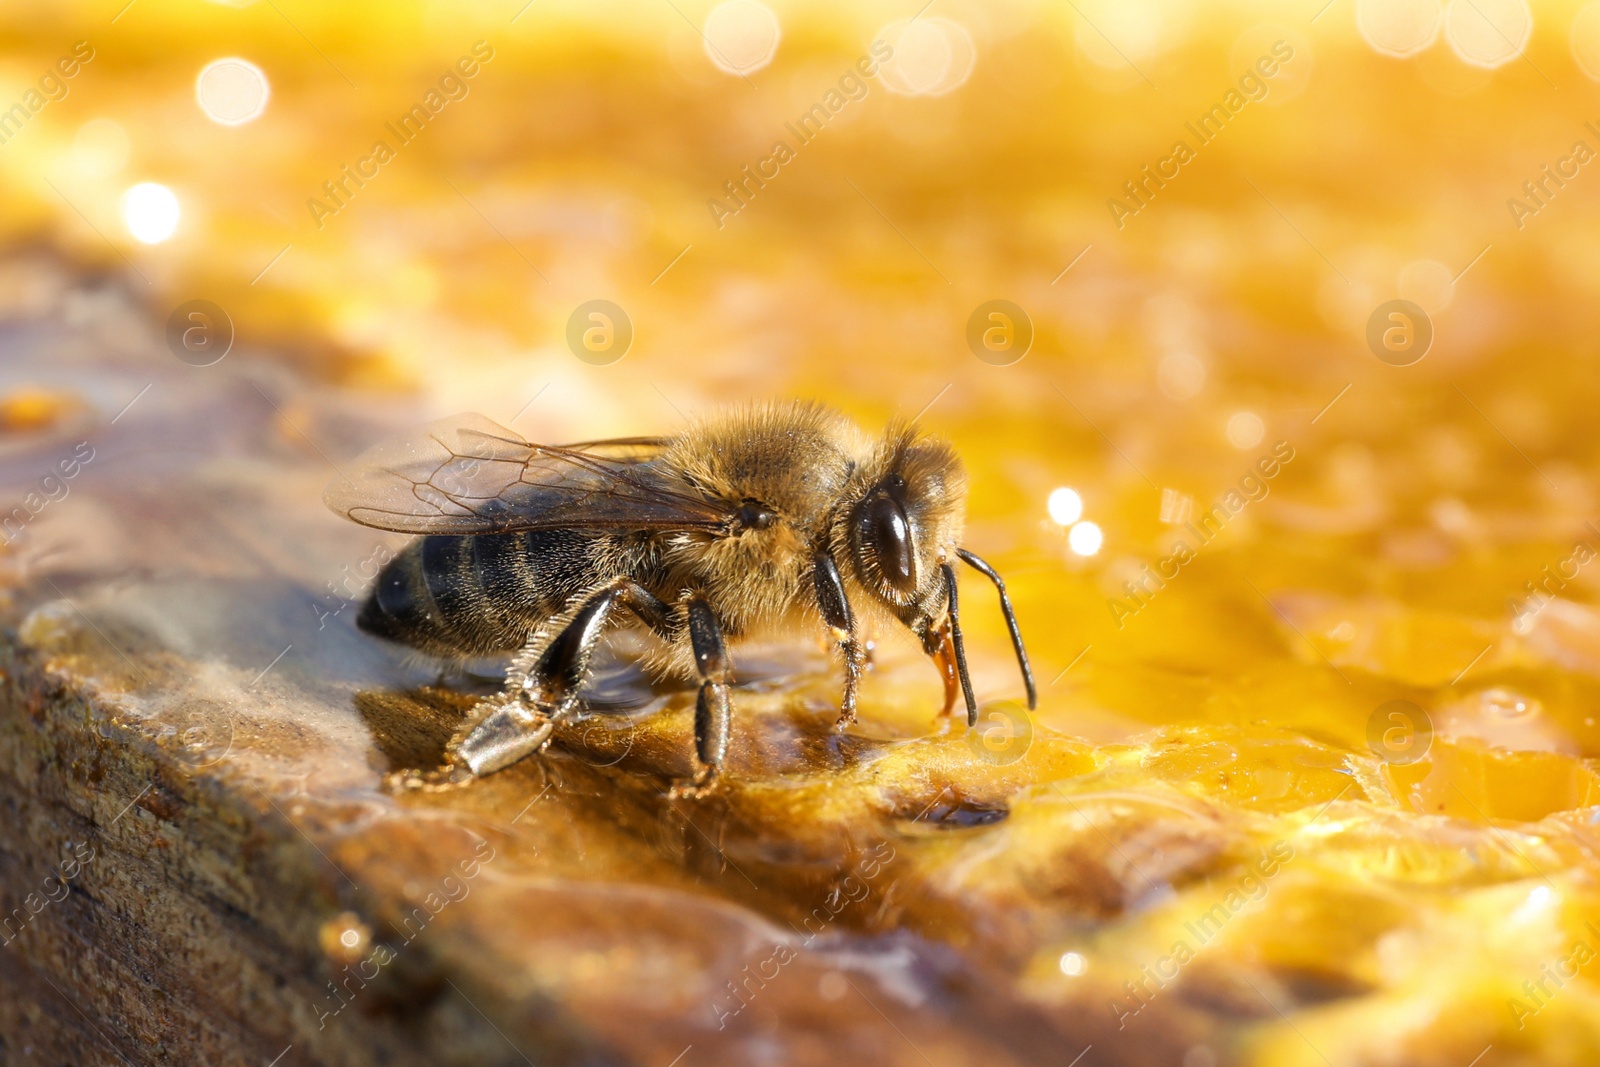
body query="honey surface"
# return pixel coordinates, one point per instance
(1312, 778)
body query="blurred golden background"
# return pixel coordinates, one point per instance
(1199, 214)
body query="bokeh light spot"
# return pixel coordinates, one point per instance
(1399, 28)
(1181, 375)
(1114, 34)
(742, 36)
(932, 56)
(1586, 40)
(1085, 538)
(1065, 506)
(1488, 33)
(232, 91)
(150, 212)
(1245, 429)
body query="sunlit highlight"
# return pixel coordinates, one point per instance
(1488, 33)
(232, 91)
(742, 36)
(1181, 375)
(1085, 538)
(1115, 35)
(932, 56)
(1399, 28)
(1245, 429)
(1065, 506)
(150, 212)
(1586, 40)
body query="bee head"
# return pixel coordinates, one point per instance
(905, 522)
(901, 537)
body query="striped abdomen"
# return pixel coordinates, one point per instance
(470, 596)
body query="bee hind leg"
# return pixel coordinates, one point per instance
(713, 713)
(548, 691)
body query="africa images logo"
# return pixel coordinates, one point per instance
(1253, 87)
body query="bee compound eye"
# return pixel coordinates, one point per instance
(755, 516)
(887, 532)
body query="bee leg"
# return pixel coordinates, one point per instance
(549, 691)
(713, 712)
(835, 608)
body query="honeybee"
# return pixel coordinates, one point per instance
(763, 519)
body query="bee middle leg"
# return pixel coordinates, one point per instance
(549, 691)
(835, 608)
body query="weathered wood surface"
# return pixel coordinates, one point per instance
(188, 715)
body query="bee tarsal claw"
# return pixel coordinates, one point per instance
(703, 784)
(450, 776)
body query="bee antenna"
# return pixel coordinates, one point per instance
(960, 645)
(977, 564)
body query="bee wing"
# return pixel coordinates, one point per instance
(469, 475)
(621, 449)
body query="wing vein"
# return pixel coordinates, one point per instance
(466, 475)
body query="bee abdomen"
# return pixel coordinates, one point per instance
(470, 595)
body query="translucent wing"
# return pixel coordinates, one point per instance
(621, 449)
(468, 475)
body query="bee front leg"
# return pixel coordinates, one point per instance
(713, 712)
(835, 608)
